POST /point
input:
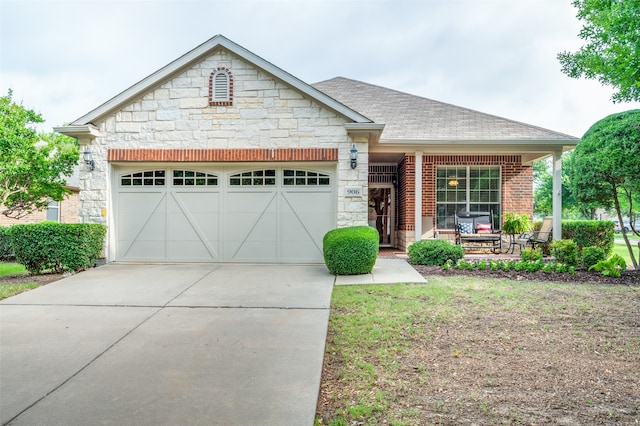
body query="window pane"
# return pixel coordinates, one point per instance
(483, 183)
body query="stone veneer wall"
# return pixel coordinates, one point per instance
(517, 187)
(265, 113)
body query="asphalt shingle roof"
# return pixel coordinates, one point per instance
(410, 117)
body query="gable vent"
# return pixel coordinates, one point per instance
(221, 88)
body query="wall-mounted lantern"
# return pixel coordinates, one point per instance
(88, 159)
(354, 156)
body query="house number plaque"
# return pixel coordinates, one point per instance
(353, 191)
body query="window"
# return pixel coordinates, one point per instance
(304, 178)
(466, 188)
(221, 88)
(254, 178)
(148, 178)
(53, 211)
(192, 178)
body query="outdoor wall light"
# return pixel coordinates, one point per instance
(354, 156)
(88, 159)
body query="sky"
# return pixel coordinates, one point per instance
(65, 58)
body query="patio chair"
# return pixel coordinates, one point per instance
(543, 235)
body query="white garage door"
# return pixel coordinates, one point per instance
(224, 214)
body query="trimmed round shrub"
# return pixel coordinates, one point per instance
(591, 256)
(434, 252)
(350, 251)
(565, 251)
(531, 255)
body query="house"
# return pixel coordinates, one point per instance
(65, 211)
(221, 156)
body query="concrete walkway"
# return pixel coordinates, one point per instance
(223, 344)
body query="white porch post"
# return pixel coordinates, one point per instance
(418, 196)
(557, 195)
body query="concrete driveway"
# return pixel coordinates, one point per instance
(207, 344)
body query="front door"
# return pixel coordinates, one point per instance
(381, 213)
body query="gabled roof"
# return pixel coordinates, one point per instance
(410, 118)
(198, 54)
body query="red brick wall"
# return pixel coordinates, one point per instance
(517, 183)
(248, 154)
(69, 213)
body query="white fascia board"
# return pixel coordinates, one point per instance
(370, 130)
(518, 142)
(78, 131)
(194, 55)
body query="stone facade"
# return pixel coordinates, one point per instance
(265, 113)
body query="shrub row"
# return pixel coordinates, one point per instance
(585, 233)
(57, 246)
(434, 252)
(6, 252)
(350, 251)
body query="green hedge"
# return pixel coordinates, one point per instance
(590, 233)
(57, 246)
(6, 252)
(350, 251)
(434, 252)
(585, 233)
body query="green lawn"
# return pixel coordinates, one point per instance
(7, 269)
(621, 249)
(12, 269)
(486, 351)
(8, 290)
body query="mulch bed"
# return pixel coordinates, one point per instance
(630, 277)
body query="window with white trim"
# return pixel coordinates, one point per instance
(146, 178)
(466, 188)
(304, 178)
(254, 178)
(53, 211)
(193, 178)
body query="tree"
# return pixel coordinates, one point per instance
(606, 165)
(543, 192)
(33, 167)
(612, 53)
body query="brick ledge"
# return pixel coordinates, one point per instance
(223, 155)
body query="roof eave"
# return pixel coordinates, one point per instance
(568, 142)
(84, 131)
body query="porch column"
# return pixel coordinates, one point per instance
(418, 196)
(557, 195)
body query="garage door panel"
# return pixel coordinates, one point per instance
(141, 229)
(189, 251)
(142, 250)
(313, 212)
(299, 252)
(258, 217)
(253, 251)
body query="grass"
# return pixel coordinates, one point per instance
(382, 340)
(621, 249)
(11, 269)
(8, 290)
